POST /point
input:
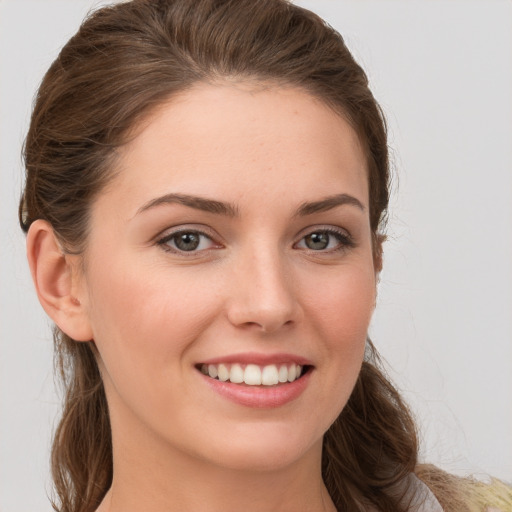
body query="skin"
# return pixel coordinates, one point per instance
(252, 286)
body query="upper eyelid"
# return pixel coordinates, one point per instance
(172, 234)
(323, 227)
(184, 228)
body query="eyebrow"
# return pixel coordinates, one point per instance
(230, 210)
(199, 203)
(328, 203)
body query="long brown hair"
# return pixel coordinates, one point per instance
(123, 62)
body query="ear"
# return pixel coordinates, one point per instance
(56, 277)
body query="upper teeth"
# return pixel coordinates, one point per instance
(252, 374)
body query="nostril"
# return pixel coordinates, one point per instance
(266, 302)
(264, 326)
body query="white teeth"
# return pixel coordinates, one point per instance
(253, 375)
(283, 374)
(236, 374)
(223, 373)
(212, 371)
(269, 375)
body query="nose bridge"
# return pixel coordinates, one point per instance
(263, 293)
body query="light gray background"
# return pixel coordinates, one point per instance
(442, 71)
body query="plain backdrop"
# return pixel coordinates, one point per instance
(442, 71)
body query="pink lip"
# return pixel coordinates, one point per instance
(259, 359)
(261, 397)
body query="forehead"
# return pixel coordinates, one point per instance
(230, 139)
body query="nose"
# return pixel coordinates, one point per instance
(263, 296)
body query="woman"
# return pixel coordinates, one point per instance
(206, 189)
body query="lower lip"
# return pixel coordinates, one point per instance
(267, 397)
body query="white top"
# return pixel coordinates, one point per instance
(423, 499)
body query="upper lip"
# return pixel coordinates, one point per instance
(259, 359)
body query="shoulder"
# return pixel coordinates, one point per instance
(431, 489)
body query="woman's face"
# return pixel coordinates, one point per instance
(233, 240)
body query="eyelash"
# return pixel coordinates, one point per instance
(345, 241)
(164, 241)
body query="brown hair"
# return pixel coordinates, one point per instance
(124, 61)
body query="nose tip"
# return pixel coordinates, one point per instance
(263, 299)
(266, 324)
(264, 319)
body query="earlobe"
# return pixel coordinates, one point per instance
(55, 280)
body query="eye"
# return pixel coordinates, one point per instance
(325, 240)
(186, 241)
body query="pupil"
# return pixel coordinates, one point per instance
(317, 241)
(187, 241)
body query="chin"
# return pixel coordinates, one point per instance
(265, 449)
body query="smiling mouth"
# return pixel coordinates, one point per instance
(253, 374)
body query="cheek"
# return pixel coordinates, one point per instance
(339, 312)
(343, 305)
(152, 312)
(145, 325)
